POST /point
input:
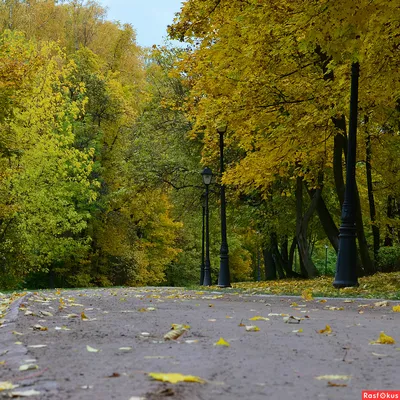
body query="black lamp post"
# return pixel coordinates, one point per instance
(203, 206)
(207, 176)
(346, 272)
(224, 276)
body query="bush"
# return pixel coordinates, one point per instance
(389, 259)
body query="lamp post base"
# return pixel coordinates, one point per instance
(346, 266)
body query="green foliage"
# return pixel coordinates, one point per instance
(389, 259)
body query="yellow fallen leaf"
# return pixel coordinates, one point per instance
(396, 308)
(2, 362)
(291, 320)
(17, 333)
(258, 318)
(333, 377)
(332, 308)
(322, 301)
(176, 331)
(252, 328)
(327, 330)
(294, 305)
(383, 339)
(175, 378)
(228, 317)
(379, 355)
(91, 349)
(222, 342)
(38, 327)
(84, 317)
(191, 341)
(307, 295)
(125, 348)
(27, 367)
(6, 385)
(384, 303)
(298, 330)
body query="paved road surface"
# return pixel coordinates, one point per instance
(273, 363)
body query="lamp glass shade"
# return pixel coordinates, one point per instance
(207, 175)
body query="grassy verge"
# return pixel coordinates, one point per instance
(380, 285)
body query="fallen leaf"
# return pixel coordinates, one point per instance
(348, 301)
(84, 317)
(114, 375)
(222, 342)
(327, 330)
(125, 348)
(137, 398)
(332, 308)
(37, 346)
(191, 341)
(384, 303)
(380, 355)
(62, 328)
(336, 384)
(27, 367)
(258, 318)
(298, 330)
(91, 349)
(383, 339)
(176, 331)
(228, 317)
(333, 377)
(6, 385)
(2, 362)
(71, 316)
(150, 309)
(175, 378)
(396, 308)
(17, 333)
(291, 320)
(25, 393)
(322, 301)
(145, 334)
(212, 320)
(38, 327)
(46, 313)
(294, 305)
(307, 295)
(252, 328)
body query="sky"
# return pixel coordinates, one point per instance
(149, 17)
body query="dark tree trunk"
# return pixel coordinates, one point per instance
(371, 199)
(390, 214)
(301, 229)
(291, 254)
(269, 265)
(327, 222)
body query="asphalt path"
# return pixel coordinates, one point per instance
(104, 343)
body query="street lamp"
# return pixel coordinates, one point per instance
(224, 276)
(203, 206)
(346, 272)
(207, 176)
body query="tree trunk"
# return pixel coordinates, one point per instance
(301, 229)
(390, 229)
(327, 222)
(372, 209)
(269, 265)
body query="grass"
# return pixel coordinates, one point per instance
(380, 285)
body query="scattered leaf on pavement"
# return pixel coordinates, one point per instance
(252, 328)
(27, 367)
(291, 320)
(307, 295)
(92, 349)
(222, 342)
(383, 339)
(384, 303)
(333, 377)
(336, 384)
(258, 318)
(396, 308)
(125, 348)
(176, 331)
(5, 385)
(37, 346)
(38, 327)
(327, 330)
(175, 378)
